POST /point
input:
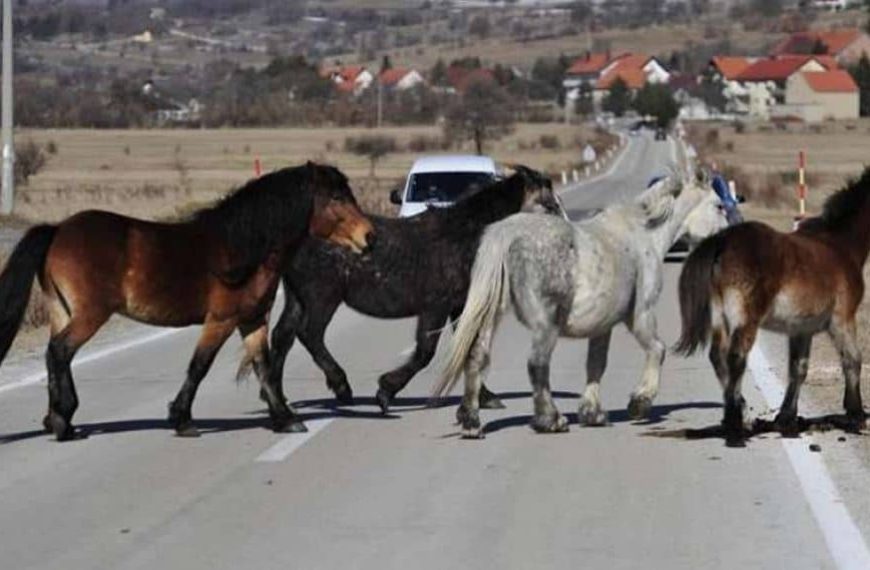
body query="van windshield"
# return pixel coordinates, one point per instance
(446, 186)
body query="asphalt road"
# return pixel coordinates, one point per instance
(365, 491)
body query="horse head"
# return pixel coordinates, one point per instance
(538, 194)
(708, 215)
(336, 216)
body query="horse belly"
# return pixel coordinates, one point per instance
(792, 313)
(602, 293)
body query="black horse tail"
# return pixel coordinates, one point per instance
(16, 281)
(695, 289)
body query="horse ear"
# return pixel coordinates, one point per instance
(704, 176)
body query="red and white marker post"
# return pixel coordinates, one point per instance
(801, 189)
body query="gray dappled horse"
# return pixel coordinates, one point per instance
(577, 280)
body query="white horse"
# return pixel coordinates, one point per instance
(577, 280)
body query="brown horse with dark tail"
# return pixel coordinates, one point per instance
(220, 268)
(802, 283)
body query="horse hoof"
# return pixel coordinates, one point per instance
(188, 430)
(735, 440)
(550, 424)
(591, 415)
(639, 407)
(291, 426)
(383, 398)
(788, 427)
(491, 402)
(46, 423)
(472, 433)
(344, 395)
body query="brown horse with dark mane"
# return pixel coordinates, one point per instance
(220, 268)
(802, 283)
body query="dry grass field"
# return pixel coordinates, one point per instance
(655, 40)
(767, 159)
(153, 173)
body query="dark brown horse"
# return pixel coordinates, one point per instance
(751, 276)
(220, 268)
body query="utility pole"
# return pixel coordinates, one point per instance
(380, 99)
(7, 192)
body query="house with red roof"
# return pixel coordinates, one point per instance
(601, 71)
(765, 79)
(460, 77)
(726, 69)
(814, 96)
(400, 78)
(846, 45)
(351, 79)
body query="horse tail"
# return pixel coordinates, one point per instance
(695, 289)
(16, 281)
(487, 298)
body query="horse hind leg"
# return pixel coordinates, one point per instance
(254, 336)
(741, 343)
(645, 332)
(591, 413)
(547, 418)
(468, 412)
(845, 338)
(427, 335)
(69, 333)
(214, 334)
(798, 363)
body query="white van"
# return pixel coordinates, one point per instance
(439, 181)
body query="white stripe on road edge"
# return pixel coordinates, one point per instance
(108, 351)
(96, 355)
(617, 162)
(844, 540)
(290, 443)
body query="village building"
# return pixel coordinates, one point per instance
(814, 96)
(845, 45)
(400, 78)
(765, 80)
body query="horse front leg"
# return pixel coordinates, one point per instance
(547, 418)
(798, 363)
(845, 337)
(255, 337)
(591, 413)
(214, 334)
(644, 329)
(428, 332)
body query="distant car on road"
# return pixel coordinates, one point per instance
(661, 134)
(439, 181)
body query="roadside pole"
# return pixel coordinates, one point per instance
(8, 178)
(801, 189)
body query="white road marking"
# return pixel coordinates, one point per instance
(290, 443)
(623, 151)
(108, 351)
(845, 541)
(96, 355)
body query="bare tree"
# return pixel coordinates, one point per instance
(483, 112)
(373, 147)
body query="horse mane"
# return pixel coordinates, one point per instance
(494, 201)
(265, 215)
(843, 205)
